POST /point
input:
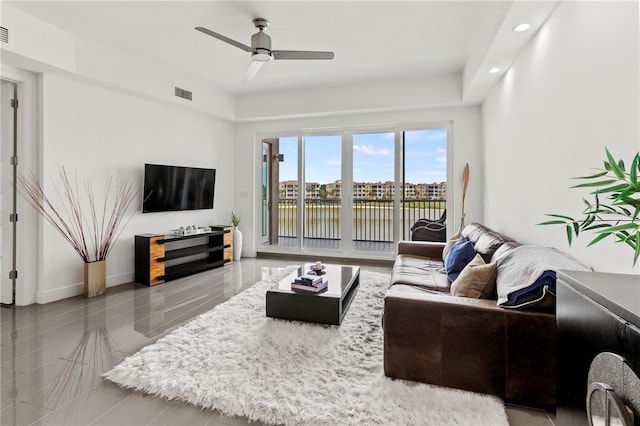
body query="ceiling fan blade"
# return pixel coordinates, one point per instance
(252, 70)
(301, 54)
(223, 38)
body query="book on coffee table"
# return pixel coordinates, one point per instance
(315, 285)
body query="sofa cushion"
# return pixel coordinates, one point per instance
(420, 272)
(477, 280)
(461, 253)
(485, 240)
(521, 267)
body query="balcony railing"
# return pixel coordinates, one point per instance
(372, 219)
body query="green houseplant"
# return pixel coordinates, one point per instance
(235, 219)
(614, 207)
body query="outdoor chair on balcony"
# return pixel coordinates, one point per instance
(430, 230)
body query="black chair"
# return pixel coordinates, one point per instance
(430, 230)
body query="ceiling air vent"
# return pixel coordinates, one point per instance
(4, 35)
(183, 93)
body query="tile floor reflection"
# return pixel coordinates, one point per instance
(52, 356)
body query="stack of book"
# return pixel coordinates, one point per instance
(311, 283)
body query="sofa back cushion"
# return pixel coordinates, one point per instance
(485, 240)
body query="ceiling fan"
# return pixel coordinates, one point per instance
(261, 48)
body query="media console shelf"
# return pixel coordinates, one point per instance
(160, 258)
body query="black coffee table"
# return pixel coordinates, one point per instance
(327, 307)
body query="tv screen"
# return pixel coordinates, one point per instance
(173, 188)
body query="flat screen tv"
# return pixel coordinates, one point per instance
(174, 188)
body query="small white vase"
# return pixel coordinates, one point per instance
(237, 243)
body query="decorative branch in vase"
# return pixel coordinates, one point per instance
(614, 209)
(91, 233)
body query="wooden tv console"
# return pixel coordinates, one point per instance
(160, 258)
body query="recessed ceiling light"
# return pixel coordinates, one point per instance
(494, 70)
(521, 27)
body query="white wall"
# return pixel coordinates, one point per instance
(95, 131)
(467, 147)
(572, 91)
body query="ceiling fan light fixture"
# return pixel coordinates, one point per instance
(261, 55)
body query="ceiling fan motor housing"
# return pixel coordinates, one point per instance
(261, 45)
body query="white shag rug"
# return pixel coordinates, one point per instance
(236, 360)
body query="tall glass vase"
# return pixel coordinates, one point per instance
(237, 243)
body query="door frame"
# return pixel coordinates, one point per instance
(9, 114)
(273, 173)
(29, 226)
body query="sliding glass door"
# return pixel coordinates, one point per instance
(373, 191)
(351, 192)
(323, 191)
(424, 182)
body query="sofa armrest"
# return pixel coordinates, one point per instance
(428, 249)
(468, 344)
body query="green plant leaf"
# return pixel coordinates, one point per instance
(598, 226)
(552, 222)
(633, 172)
(569, 218)
(588, 221)
(615, 168)
(569, 234)
(598, 238)
(593, 176)
(626, 212)
(596, 184)
(630, 242)
(637, 251)
(622, 227)
(621, 165)
(576, 228)
(614, 188)
(631, 201)
(626, 193)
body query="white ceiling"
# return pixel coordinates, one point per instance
(372, 40)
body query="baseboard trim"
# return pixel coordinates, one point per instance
(77, 289)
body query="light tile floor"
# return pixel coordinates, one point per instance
(52, 356)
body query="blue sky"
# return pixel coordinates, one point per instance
(373, 154)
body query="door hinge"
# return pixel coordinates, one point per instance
(14, 103)
(13, 217)
(13, 275)
(14, 160)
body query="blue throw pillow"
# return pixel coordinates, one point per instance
(459, 256)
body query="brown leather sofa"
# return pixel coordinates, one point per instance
(471, 344)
